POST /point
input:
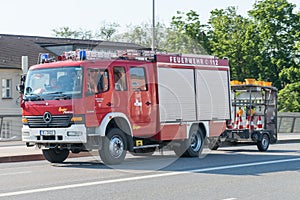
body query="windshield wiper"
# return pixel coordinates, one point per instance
(59, 95)
(33, 97)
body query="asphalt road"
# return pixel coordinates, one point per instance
(227, 174)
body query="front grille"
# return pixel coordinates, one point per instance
(56, 121)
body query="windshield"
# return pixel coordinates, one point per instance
(54, 83)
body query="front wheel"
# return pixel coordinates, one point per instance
(114, 146)
(263, 145)
(56, 155)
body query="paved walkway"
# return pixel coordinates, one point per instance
(16, 151)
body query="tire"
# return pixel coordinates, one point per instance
(114, 147)
(180, 149)
(193, 146)
(56, 155)
(263, 145)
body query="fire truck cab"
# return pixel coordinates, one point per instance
(136, 101)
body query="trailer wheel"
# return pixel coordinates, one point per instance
(56, 155)
(114, 145)
(193, 146)
(264, 143)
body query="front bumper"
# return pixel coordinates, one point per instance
(74, 134)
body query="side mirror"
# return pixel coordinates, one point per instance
(20, 88)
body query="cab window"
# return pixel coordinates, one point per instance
(138, 79)
(120, 79)
(97, 81)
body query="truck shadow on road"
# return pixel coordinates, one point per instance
(225, 161)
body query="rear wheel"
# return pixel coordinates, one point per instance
(264, 143)
(56, 155)
(114, 146)
(193, 146)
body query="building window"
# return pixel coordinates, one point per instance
(6, 88)
(6, 130)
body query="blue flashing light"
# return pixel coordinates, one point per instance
(44, 57)
(82, 55)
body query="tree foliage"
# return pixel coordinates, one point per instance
(265, 45)
(279, 30)
(65, 32)
(187, 34)
(142, 35)
(233, 36)
(289, 98)
(105, 32)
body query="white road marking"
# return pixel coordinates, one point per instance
(230, 199)
(15, 173)
(145, 177)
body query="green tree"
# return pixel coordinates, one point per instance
(107, 30)
(278, 26)
(234, 36)
(178, 42)
(289, 98)
(65, 32)
(187, 34)
(142, 35)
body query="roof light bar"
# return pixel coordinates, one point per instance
(81, 54)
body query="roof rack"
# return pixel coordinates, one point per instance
(82, 54)
(129, 54)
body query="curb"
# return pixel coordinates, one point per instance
(22, 158)
(37, 157)
(288, 141)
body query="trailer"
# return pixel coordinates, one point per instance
(254, 111)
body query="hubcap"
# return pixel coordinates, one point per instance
(116, 147)
(195, 142)
(264, 141)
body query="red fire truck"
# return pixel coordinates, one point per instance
(136, 101)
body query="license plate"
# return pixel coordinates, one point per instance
(47, 132)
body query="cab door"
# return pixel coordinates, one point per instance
(142, 103)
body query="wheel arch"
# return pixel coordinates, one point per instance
(202, 126)
(116, 120)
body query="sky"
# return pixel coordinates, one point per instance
(39, 18)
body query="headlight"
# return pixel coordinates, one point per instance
(74, 133)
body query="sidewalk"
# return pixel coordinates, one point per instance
(16, 151)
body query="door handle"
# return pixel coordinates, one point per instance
(148, 103)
